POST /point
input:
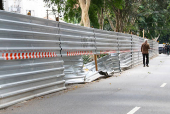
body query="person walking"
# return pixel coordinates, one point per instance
(144, 49)
(167, 48)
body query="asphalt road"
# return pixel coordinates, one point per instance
(141, 90)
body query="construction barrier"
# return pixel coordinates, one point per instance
(40, 56)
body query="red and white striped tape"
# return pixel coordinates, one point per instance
(135, 50)
(28, 55)
(107, 52)
(75, 53)
(123, 51)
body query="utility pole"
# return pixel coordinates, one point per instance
(143, 33)
(1, 5)
(57, 18)
(47, 14)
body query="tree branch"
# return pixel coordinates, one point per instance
(111, 23)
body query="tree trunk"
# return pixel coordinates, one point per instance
(117, 22)
(1, 5)
(121, 22)
(155, 39)
(101, 19)
(111, 23)
(85, 4)
(98, 14)
(81, 22)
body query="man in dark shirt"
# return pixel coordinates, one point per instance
(144, 49)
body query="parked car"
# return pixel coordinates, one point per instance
(161, 48)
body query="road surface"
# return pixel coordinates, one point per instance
(141, 90)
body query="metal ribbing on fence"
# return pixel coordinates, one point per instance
(107, 64)
(114, 63)
(92, 74)
(32, 52)
(124, 41)
(74, 69)
(155, 48)
(150, 51)
(31, 63)
(125, 60)
(136, 45)
(106, 43)
(75, 42)
(141, 41)
(26, 18)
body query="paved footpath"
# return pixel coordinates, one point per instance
(141, 90)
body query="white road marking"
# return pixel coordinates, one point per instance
(163, 85)
(134, 110)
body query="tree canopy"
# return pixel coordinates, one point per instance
(127, 16)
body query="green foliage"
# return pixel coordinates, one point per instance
(150, 15)
(119, 4)
(72, 12)
(86, 59)
(93, 16)
(55, 4)
(101, 55)
(107, 25)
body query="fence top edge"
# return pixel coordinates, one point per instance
(27, 16)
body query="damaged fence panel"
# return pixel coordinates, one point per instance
(40, 56)
(106, 49)
(76, 41)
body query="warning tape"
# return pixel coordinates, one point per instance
(29, 55)
(135, 50)
(123, 51)
(107, 52)
(75, 53)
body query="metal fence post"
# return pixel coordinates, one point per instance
(95, 59)
(59, 39)
(118, 52)
(95, 55)
(138, 53)
(152, 49)
(131, 54)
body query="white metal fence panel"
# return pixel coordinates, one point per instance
(32, 51)
(31, 63)
(136, 49)
(75, 42)
(125, 49)
(106, 43)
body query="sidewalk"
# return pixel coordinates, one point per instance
(119, 94)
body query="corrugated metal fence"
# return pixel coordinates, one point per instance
(40, 56)
(31, 63)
